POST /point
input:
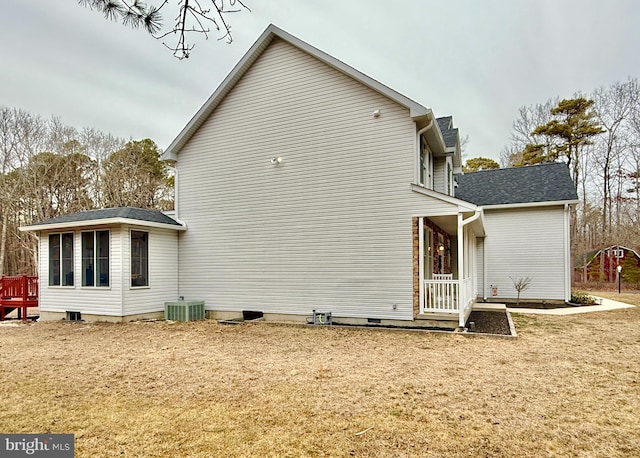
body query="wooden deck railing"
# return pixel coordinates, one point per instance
(19, 291)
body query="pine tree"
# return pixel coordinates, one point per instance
(573, 126)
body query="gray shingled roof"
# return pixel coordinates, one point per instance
(140, 214)
(450, 137)
(444, 122)
(535, 183)
(449, 134)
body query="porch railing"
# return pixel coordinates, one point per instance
(449, 296)
(441, 296)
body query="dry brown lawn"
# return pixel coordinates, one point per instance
(568, 386)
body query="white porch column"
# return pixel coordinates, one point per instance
(462, 300)
(421, 261)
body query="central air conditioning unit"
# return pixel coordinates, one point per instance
(184, 310)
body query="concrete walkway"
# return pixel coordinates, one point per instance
(605, 305)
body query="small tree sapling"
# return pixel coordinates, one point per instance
(521, 284)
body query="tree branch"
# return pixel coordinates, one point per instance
(191, 18)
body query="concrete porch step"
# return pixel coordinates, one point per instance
(488, 307)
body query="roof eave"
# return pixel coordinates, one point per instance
(100, 222)
(547, 203)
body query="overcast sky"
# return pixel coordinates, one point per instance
(476, 60)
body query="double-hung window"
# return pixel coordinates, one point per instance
(423, 152)
(139, 258)
(61, 259)
(425, 177)
(95, 258)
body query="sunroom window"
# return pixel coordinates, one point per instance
(95, 258)
(61, 259)
(139, 258)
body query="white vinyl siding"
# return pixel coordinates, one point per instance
(439, 174)
(330, 227)
(442, 179)
(526, 243)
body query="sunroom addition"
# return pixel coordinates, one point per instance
(109, 264)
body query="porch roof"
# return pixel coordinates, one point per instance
(448, 219)
(457, 205)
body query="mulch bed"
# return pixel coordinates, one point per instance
(489, 323)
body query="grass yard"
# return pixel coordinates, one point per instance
(568, 386)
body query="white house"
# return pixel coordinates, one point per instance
(306, 184)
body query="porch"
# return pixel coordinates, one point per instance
(447, 265)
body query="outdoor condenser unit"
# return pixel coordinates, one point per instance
(184, 310)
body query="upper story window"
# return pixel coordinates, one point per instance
(95, 258)
(139, 258)
(425, 177)
(61, 259)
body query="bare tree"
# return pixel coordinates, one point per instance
(45, 171)
(135, 176)
(521, 284)
(98, 146)
(529, 117)
(192, 17)
(614, 106)
(21, 135)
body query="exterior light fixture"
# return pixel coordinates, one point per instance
(376, 114)
(276, 160)
(619, 269)
(440, 247)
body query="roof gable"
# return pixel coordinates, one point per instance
(549, 182)
(171, 153)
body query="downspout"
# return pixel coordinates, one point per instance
(176, 183)
(461, 224)
(484, 269)
(421, 221)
